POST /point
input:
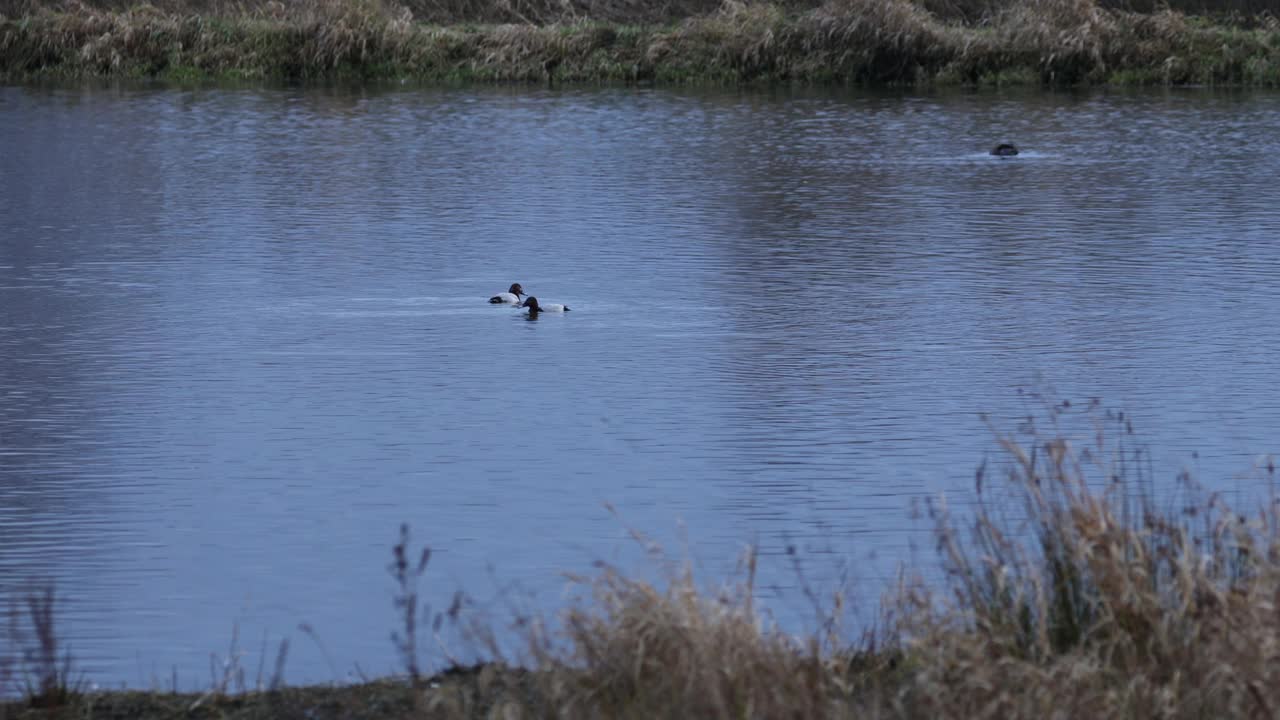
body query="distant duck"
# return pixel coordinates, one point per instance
(535, 308)
(510, 297)
(1005, 150)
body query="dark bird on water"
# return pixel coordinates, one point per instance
(535, 308)
(510, 297)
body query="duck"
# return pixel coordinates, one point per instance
(510, 297)
(535, 308)
(1005, 150)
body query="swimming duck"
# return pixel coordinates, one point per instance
(510, 297)
(535, 308)
(1005, 150)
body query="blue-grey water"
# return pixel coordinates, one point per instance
(243, 334)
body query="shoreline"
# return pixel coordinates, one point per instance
(867, 43)
(458, 692)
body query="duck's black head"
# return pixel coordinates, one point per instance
(516, 290)
(1005, 149)
(531, 303)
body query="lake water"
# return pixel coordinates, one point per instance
(244, 333)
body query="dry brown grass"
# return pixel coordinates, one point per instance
(1070, 593)
(545, 12)
(636, 650)
(867, 42)
(1100, 601)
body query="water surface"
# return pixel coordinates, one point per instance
(244, 333)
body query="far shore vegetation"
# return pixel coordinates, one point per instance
(917, 43)
(1073, 585)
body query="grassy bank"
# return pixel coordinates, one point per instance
(1071, 592)
(864, 42)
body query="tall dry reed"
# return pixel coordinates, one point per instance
(1099, 595)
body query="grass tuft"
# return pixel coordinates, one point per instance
(637, 650)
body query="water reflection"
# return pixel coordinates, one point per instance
(246, 333)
